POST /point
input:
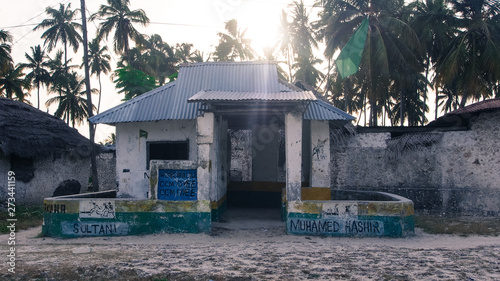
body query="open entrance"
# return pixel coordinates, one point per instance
(257, 173)
(257, 167)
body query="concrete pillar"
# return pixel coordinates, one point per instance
(293, 150)
(320, 154)
(204, 139)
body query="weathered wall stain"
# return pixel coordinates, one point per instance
(457, 175)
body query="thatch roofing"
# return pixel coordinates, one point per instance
(30, 133)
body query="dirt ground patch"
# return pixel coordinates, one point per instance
(254, 249)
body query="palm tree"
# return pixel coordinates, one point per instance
(160, 58)
(61, 27)
(39, 74)
(99, 63)
(233, 44)
(285, 42)
(345, 94)
(434, 23)
(472, 59)
(301, 36)
(5, 57)
(72, 104)
(118, 16)
(59, 72)
(183, 52)
(306, 70)
(12, 84)
(301, 31)
(198, 56)
(392, 47)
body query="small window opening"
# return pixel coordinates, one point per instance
(167, 150)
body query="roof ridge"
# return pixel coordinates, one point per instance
(234, 63)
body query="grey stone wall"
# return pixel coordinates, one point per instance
(460, 174)
(49, 172)
(106, 164)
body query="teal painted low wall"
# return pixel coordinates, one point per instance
(218, 209)
(390, 216)
(80, 217)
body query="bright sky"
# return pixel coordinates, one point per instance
(177, 21)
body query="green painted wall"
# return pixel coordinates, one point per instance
(111, 217)
(350, 218)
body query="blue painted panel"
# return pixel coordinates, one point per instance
(177, 185)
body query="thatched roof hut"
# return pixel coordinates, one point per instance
(29, 133)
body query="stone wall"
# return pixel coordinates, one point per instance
(459, 174)
(41, 179)
(48, 173)
(106, 164)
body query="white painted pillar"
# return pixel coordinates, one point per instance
(320, 154)
(293, 141)
(204, 140)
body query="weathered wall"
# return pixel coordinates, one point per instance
(218, 154)
(131, 150)
(241, 156)
(459, 174)
(48, 173)
(79, 217)
(106, 164)
(265, 152)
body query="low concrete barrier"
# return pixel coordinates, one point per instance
(99, 215)
(351, 213)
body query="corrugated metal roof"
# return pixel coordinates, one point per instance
(152, 106)
(204, 96)
(320, 110)
(170, 102)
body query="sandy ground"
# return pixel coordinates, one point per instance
(253, 246)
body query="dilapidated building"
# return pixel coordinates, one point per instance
(190, 128)
(451, 166)
(42, 151)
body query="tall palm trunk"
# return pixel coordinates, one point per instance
(38, 94)
(436, 89)
(93, 160)
(66, 57)
(100, 90)
(401, 108)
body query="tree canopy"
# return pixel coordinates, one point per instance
(449, 47)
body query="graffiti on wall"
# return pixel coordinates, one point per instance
(318, 150)
(97, 209)
(337, 219)
(177, 185)
(336, 226)
(339, 210)
(54, 208)
(94, 228)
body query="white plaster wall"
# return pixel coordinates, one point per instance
(49, 173)
(131, 151)
(205, 138)
(293, 141)
(218, 154)
(320, 154)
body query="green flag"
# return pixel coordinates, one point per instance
(350, 57)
